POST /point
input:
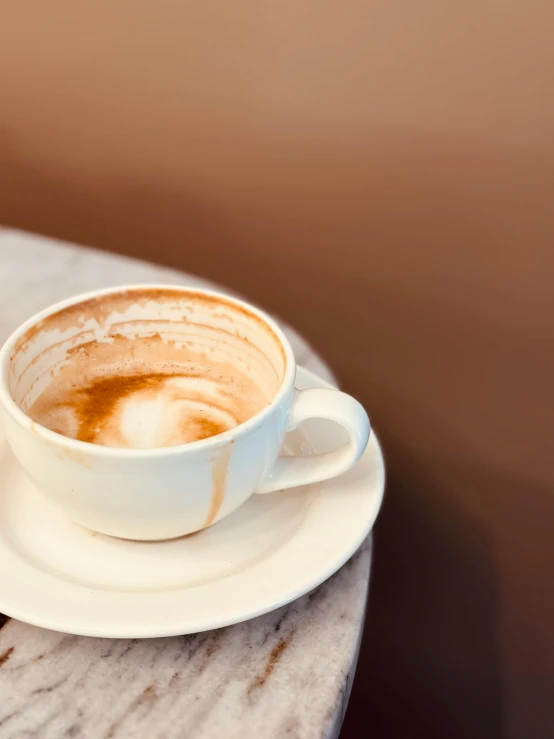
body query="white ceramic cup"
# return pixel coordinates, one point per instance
(167, 492)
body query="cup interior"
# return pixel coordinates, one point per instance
(118, 325)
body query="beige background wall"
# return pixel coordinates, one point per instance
(382, 175)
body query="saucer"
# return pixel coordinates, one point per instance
(275, 548)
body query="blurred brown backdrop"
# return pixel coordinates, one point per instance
(382, 175)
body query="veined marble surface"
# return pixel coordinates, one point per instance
(285, 675)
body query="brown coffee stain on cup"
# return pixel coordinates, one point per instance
(88, 397)
(77, 456)
(101, 307)
(220, 469)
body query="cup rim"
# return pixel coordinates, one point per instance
(89, 448)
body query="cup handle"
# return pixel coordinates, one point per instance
(331, 405)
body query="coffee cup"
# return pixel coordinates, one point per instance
(151, 412)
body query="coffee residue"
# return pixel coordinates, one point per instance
(99, 308)
(220, 469)
(148, 409)
(148, 381)
(95, 404)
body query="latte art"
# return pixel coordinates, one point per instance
(150, 409)
(146, 368)
(166, 411)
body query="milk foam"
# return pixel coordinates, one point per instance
(128, 404)
(146, 368)
(171, 415)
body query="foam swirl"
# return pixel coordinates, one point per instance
(149, 410)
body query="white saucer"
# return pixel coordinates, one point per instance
(57, 575)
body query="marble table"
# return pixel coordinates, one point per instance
(286, 675)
